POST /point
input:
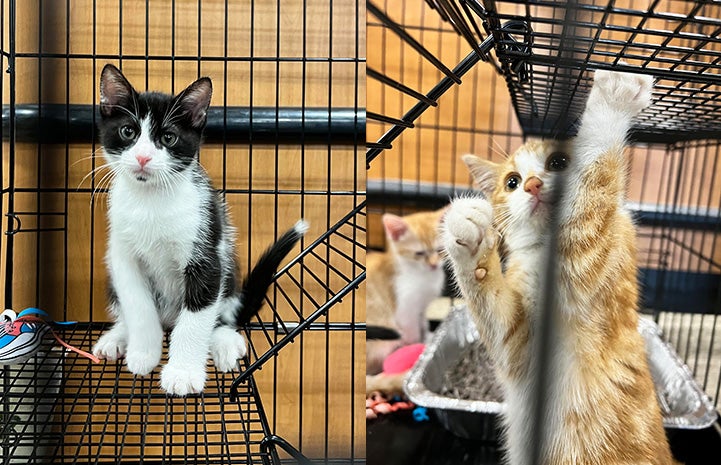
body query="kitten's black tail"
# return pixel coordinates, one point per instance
(256, 283)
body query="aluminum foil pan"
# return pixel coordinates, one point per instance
(683, 403)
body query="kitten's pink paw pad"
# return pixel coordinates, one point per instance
(111, 346)
(625, 91)
(466, 228)
(142, 362)
(181, 381)
(227, 346)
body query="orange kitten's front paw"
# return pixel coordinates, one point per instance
(467, 232)
(480, 273)
(626, 92)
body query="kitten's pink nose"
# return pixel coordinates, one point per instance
(533, 185)
(142, 160)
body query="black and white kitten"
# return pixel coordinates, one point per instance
(171, 254)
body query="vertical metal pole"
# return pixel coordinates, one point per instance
(11, 162)
(548, 312)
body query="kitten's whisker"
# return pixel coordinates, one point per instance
(135, 101)
(90, 157)
(95, 171)
(106, 180)
(168, 114)
(174, 180)
(500, 151)
(126, 110)
(165, 182)
(504, 219)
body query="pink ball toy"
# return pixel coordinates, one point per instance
(402, 359)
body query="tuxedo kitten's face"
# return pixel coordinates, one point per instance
(521, 188)
(150, 137)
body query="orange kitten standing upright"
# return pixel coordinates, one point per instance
(601, 406)
(402, 281)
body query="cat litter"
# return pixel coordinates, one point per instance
(454, 377)
(464, 380)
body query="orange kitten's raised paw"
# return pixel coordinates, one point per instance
(627, 92)
(468, 234)
(480, 273)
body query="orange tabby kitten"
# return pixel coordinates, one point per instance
(601, 406)
(402, 281)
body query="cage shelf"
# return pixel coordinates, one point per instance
(546, 62)
(66, 409)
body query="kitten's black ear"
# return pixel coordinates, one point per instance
(115, 90)
(484, 172)
(195, 101)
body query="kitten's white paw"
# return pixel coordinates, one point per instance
(226, 347)
(142, 362)
(625, 92)
(111, 345)
(182, 380)
(467, 232)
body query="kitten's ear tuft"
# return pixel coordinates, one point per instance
(115, 90)
(195, 101)
(395, 226)
(484, 172)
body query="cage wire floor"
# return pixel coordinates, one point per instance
(63, 408)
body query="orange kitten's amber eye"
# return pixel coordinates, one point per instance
(558, 161)
(512, 182)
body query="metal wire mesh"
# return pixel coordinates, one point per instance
(281, 143)
(677, 42)
(67, 410)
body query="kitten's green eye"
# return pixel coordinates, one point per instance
(512, 182)
(127, 132)
(169, 138)
(558, 161)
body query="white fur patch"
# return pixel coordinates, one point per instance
(226, 347)
(301, 227)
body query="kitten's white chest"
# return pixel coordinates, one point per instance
(415, 287)
(159, 231)
(155, 225)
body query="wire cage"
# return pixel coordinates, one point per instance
(454, 77)
(281, 143)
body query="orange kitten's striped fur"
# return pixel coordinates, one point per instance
(402, 281)
(601, 407)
